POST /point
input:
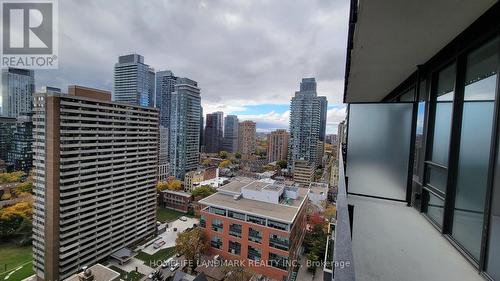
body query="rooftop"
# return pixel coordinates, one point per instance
(100, 273)
(229, 197)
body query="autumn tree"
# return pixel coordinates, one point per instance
(282, 164)
(224, 164)
(192, 244)
(236, 272)
(170, 185)
(223, 154)
(11, 177)
(203, 191)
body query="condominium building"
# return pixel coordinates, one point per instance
(323, 105)
(134, 81)
(165, 86)
(247, 138)
(303, 173)
(16, 139)
(259, 223)
(277, 145)
(18, 86)
(184, 133)
(420, 146)
(230, 142)
(305, 123)
(95, 165)
(193, 177)
(214, 132)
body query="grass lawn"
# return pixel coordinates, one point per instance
(13, 256)
(163, 214)
(156, 259)
(128, 276)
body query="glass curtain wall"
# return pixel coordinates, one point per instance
(437, 165)
(475, 147)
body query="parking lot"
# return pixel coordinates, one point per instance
(170, 235)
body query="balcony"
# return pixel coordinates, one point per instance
(390, 241)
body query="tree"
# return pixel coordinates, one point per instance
(192, 244)
(313, 264)
(11, 177)
(206, 162)
(203, 191)
(223, 154)
(330, 212)
(26, 186)
(282, 164)
(224, 164)
(170, 185)
(237, 155)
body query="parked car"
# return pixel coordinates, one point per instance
(167, 263)
(158, 244)
(174, 266)
(183, 218)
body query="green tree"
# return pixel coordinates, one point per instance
(223, 154)
(203, 191)
(282, 164)
(237, 155)
(192, 244)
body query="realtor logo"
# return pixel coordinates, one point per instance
(29, 34)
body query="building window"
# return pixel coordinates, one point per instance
(216, 242)
(278, 225)
(217, 225)
(475, 146)
(203, 222)
(235, 230)
(254, 235)
(236, 215)
(278, 261)
(218, 211)
(256, 220)
(234, 248)
(278, 242)
(254, 253)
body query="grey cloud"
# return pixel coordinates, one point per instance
(240, 52)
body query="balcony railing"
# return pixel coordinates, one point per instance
(343, 263)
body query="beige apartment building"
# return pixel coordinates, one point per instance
(247, 138)
(277, 145)
(95, 164)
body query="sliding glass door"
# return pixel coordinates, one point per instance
(436, 166)
(475, 147)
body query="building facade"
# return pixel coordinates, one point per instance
(277, 145)
(305, 123)
(214, 132)
(249, 221)
(184, 133)
(18, 86)
(134, 81)
(176, 200)
(247, 138)
(16, 140)
(303, 173)
(95, 165)
(230, 142)
(323, 105)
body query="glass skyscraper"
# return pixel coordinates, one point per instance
(184, 132)
(134, 81)
(17, 90)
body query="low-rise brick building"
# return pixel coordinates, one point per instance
(176, 200)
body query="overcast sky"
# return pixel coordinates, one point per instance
(247, 56)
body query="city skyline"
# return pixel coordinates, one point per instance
(267, 70)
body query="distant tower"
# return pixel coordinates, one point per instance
(230, 142)
(305, 123)
(247, 138)
(134, 81)
(18, 86)
(277, 145)
(214, 132)
(184, 133)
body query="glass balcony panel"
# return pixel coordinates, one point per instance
(378, 149)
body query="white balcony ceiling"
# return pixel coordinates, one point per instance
(392, 37)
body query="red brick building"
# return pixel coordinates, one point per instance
(176, 200)
(259, 223)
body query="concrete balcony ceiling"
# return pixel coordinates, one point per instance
(392, 37)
